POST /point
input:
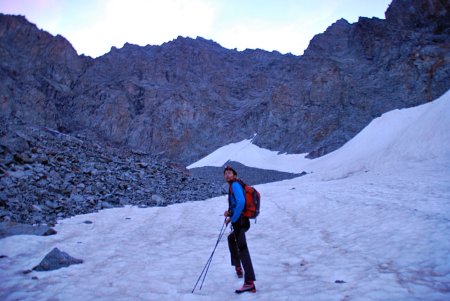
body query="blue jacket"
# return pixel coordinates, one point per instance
(237, 201)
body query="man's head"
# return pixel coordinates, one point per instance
(229, 174)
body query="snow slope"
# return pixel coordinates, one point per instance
(413, 134)
(378, 219)
(252, 155)
(396, 138)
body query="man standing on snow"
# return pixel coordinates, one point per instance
(240, 224)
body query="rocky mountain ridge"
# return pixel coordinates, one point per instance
(187, 97)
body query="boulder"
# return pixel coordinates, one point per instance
(158, 199)
(12, 228)
(56, 259)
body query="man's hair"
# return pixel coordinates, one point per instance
(228, 167)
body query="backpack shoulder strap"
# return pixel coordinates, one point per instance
(230, 191)
(241, 182)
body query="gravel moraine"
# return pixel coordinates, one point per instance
(46, 175)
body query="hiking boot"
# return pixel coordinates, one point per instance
(239, 272)
(247, 287)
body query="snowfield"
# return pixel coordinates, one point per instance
(252, 155)
(371, 222)
(396, 138)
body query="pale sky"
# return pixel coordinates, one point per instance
(94, 26)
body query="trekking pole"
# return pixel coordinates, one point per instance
(207, 269)
(208, 262)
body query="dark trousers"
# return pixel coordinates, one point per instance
(238, 248)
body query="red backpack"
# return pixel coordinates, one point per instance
(252, 200)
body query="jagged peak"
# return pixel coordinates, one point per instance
(330, 38)
(13, 19)
(16, 23)
(189, 41)
(11, 25)
(337, 27)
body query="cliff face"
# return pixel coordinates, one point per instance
(38, 71)
(187, 97)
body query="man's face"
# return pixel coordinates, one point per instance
(229, 175)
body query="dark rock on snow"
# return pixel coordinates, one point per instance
(11, 228)
(56, 260)
(250, 175)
